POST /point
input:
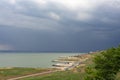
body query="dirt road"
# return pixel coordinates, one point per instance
(31, 75)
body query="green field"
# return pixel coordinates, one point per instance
(66, 75)
(15, 72)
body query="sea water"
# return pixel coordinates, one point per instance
(43, 60)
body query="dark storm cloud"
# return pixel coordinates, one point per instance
(54, 25)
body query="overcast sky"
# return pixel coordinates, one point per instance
(59, 25)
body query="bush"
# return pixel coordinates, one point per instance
(107, 65)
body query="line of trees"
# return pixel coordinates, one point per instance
(106, 65)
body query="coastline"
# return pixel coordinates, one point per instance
(70, 62)
(60, 59)
(77, 61)
(32, 60)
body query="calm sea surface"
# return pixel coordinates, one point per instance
(42, 60)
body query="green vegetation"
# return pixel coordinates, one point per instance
(14, 72)
(106, 65)
(65, 75)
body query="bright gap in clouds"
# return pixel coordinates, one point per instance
(6, 47)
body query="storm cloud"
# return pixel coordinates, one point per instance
(56, 25)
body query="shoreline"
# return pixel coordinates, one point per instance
(36, 71)
(36, 60)
(70, 62)
(60, 59)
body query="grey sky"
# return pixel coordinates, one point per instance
(59, 25)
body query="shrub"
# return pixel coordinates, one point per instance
(107, 65)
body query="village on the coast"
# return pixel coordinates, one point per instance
(70, 62)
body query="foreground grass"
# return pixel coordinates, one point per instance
(15, 72)
(63, 75)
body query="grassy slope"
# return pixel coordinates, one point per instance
(14, 72)
(66, 75)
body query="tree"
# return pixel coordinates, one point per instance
(107, 65)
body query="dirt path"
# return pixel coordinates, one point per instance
(31, 75)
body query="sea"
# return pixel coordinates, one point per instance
(32, 60)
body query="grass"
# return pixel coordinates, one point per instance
(14, 72)
(65, 75)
